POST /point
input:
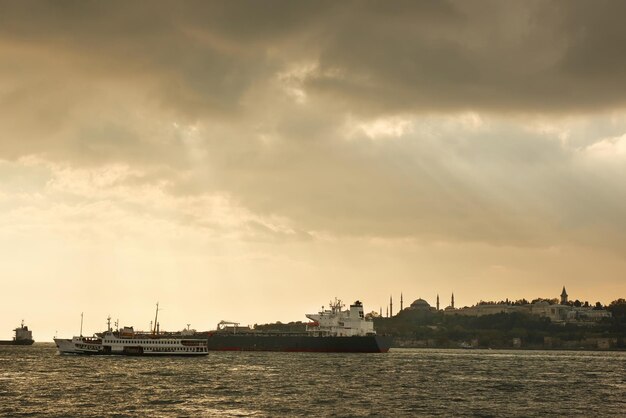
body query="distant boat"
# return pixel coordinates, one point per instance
(23, 336)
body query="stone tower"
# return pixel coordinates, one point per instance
(563, 297)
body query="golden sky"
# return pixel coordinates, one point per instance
(250, 161)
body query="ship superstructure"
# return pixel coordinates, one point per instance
(340, 323)
(23, 336)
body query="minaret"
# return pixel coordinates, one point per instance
(387, 312)
(563, 297)
(390, 306)
(452, 301)
(401, 303)
(437, 301)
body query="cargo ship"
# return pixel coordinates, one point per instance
(331, 330)
(23, 336)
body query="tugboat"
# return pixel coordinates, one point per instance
(330, 330)
(23, 336)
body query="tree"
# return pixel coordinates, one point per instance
(618, 308)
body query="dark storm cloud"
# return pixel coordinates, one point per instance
(98, 82)
(374, 56)
(495, 56)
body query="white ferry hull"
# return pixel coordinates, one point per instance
(78, 345)
(66, 346)
(138, 345)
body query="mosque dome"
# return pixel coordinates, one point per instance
(420, 304)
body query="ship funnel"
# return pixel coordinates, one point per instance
(356, 310)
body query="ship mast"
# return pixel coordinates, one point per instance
(156, 315)
(81, 324)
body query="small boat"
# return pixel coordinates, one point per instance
(466, 346)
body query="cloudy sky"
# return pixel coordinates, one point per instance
(250, 161)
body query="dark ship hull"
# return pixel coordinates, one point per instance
(17, 342)
(222, 341)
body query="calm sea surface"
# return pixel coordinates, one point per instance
(37, 381)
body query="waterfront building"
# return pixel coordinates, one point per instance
(484, 309)
(558, 313)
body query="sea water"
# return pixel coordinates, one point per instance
(36, 381)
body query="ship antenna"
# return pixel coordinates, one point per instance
(156, 315)
(81, 324)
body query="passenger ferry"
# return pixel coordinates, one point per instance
(127, 341)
